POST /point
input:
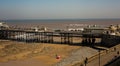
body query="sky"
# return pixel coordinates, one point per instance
(59, 9)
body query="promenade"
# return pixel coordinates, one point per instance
(104, 59)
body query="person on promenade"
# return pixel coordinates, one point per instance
(114, 48)
(118, 52)
(86, 61)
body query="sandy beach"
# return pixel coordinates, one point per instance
(28, 62)
(32, 54)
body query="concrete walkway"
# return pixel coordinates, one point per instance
(104, 59)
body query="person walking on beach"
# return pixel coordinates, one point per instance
(57, 56)
(114, 48)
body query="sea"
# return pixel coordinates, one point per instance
(59, 23)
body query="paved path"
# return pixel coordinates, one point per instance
(105, 58)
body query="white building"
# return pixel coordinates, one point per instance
(3, 25)
(37, 29)
(76, 29)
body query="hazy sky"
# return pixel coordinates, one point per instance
(59, 9)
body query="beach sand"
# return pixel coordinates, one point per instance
(33, 54)
(13, 53)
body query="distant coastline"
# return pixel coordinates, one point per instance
(59, 20)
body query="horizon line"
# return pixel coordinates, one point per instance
(68, 19)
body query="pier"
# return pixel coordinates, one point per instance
(88, 36)
(66, 37)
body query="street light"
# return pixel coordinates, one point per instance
(99, 56)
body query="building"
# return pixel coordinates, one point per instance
(76, 29)
(3, 25)
(95, 29)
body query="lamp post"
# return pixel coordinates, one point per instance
(99, 56)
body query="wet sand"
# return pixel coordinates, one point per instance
(56, 24)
